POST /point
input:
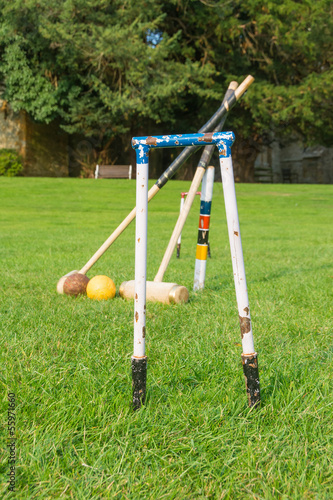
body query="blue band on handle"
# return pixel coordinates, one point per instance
(205, 207)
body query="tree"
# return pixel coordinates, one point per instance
(105, 67)
(286, 45)
(94, 64)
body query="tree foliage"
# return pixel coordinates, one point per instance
(88, 62)
(103, 67)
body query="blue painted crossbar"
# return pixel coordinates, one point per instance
(171, 141)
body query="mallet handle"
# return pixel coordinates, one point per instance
(170, 171)
(243, 87)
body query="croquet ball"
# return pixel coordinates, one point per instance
(60, 284)
(75, 284)
(101, 288)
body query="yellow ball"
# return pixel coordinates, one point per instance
(101, 288)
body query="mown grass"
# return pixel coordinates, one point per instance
(68, 360)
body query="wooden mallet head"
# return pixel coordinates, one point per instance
(167, 293)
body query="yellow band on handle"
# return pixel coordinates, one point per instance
(201, 253)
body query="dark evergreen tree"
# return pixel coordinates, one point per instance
(106, 67)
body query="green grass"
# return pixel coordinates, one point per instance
(68, 360)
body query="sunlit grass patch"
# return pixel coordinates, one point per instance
(68, 360)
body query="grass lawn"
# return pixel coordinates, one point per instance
(67, 360)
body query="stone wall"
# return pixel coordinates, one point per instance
(46, 150)
(43, 148)
(11, 129)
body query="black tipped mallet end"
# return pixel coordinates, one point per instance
(251, 374)
(139, 377)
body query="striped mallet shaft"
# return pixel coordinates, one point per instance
(203, 231)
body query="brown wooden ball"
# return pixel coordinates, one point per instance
(76, 284)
